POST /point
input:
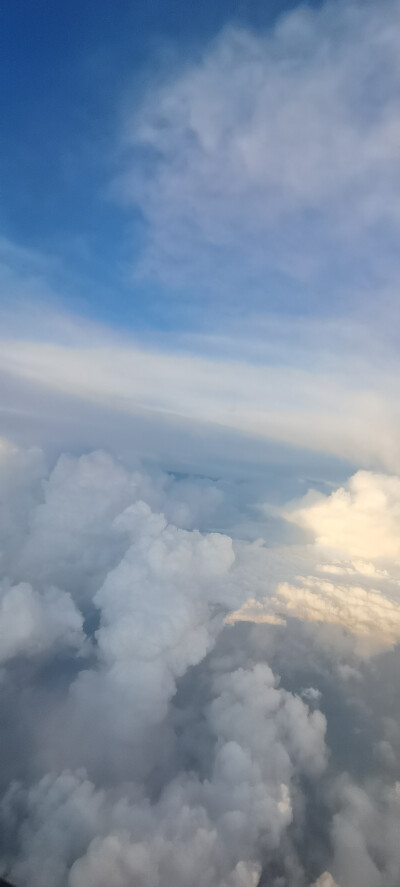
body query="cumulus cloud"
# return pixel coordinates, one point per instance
(370, 616)
(95, 568)
(160, 610)
(359, 521)
(361, 596)
(364, 829)
(155, 748)
(214, 832)
(33, 623)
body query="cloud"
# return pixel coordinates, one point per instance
(215, 830)
(270, 160)
(253, 611)
(359, 521)
(331, 414)
(280, 195)
(310, 694)
(169, 753)
(369, 615)
(325, 880)
(151, 597)
(181, 707)
(33, 623)
(365, 848)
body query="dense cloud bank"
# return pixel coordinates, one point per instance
(185, 708)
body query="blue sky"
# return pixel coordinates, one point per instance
(68, 70)
(200, 223)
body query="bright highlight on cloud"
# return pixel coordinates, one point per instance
(352, 523)
(361, 521)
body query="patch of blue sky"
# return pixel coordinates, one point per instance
(67, 69)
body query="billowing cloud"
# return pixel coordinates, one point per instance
(153, 748)
(361, 596)
(33, 623)
(364, 833)
(151, 597)
(359, 521)
(215, 831)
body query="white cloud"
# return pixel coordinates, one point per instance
(154, 596)
(369, 615)
(213, 831)
(254, 611)
(195, 764)
(325, 880)
(365, 833)
(330, 414)
(271, 175)
(160, 610)
(310, 694)
(33, 623)
(359, 595)
(274, 152)
(359, 521)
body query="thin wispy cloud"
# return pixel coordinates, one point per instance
(271, 171)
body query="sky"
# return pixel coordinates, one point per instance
(199, 443)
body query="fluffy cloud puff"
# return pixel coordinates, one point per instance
(33, 623)
(152, 597)
(359, 521)
(357, 526)
(365, 833)
(196, 762)
(210, 832)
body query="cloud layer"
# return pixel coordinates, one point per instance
(152, 598)
(155, 748)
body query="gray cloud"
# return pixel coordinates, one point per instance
(146, 739)
(85, 551)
